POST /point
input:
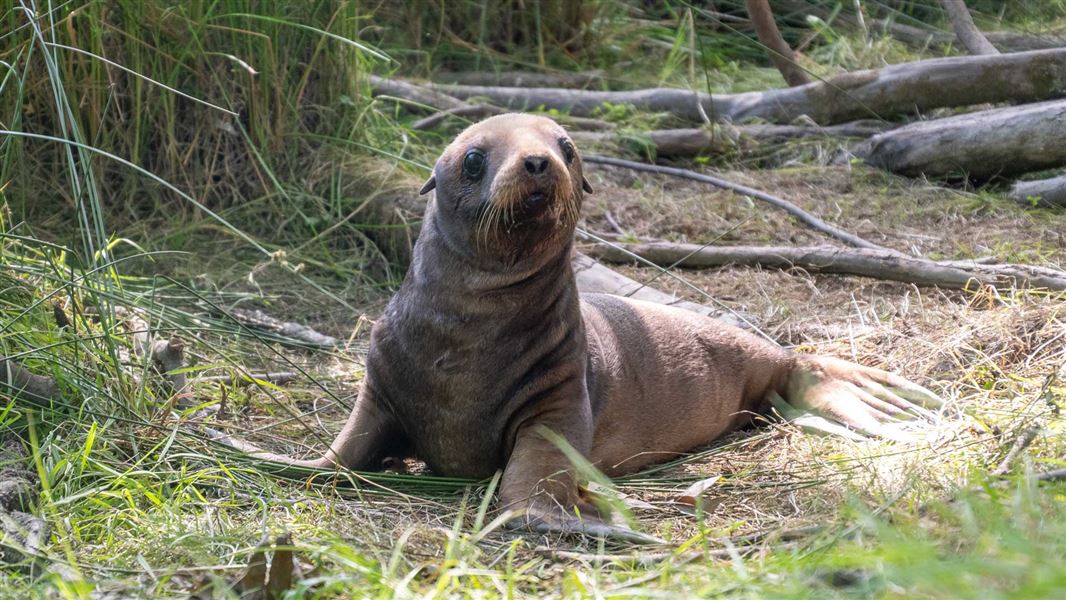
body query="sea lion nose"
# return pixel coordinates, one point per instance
(536, 165)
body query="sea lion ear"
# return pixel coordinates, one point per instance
(585, 185)
(430, 185)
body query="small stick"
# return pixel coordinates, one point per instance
(1020, 443)
(297, 331)
(801, 215)
(474, 111)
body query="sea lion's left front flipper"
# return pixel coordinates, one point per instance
(864, 399)
(539, 483)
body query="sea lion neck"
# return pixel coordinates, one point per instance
(445, 259)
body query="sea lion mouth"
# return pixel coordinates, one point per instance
(536, 200)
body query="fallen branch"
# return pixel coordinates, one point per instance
(978, 145)
(1009, 41)
(1043, 192)
(295, 331)
(801, 215)
(965, 31)
(167, 356)
(448, 106)
(1054, 475)
(723, 138)
(15, 380)
(1020, 444)
(905, 88)
(876, 264)
(470, 111)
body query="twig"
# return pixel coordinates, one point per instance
(167, 356)
(238, 379)
(801, 215)
(1020, 443)
(295, 331)
(475, 111)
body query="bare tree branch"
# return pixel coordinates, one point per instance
(876, 264)
(965, 31)
(801, 215)
(762, 18)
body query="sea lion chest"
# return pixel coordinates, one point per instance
(458, 381)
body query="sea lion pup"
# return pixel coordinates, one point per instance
(487, 354)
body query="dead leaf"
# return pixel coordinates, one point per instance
(259, 583)
(694, 491)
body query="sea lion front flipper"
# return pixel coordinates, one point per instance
(539, 484)
(863, 399)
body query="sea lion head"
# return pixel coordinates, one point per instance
(510, 187)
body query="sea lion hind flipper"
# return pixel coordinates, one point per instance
(811, 422)
(863, 399)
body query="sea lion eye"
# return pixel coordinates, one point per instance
(474, 164)
(568, 150)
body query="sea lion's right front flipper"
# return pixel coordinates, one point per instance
(367, 436)
(539, 483)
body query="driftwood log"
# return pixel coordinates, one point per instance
(979, 145)
(597, 278)
(1042, 192)
(297, 332)
(876, 264)
(905, 88)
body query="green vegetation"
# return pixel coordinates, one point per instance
(187, 158)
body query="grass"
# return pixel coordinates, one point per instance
(274, 207)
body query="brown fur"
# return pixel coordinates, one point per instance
(488, 344)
